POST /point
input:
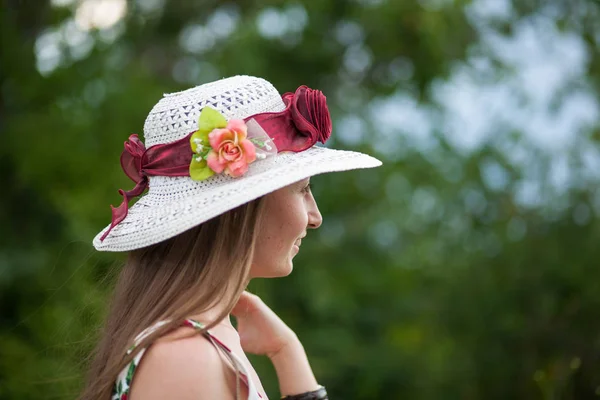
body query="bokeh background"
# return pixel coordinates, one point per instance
(467, 267)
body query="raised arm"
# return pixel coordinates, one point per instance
(263, 332)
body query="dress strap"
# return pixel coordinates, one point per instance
(240, 369)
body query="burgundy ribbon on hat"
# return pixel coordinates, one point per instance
(304, 121)
(138, 163)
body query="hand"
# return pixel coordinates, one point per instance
(261, 331)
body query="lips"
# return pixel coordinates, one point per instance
(298, 241)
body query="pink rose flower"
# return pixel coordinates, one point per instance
(231, 150)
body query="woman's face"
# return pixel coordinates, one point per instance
(289, 213)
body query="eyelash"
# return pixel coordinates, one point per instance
(307, 188)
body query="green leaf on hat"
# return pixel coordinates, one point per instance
(199, 170)
(210, 119)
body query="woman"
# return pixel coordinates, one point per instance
(227, 165)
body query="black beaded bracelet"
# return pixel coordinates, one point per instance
(319, 394)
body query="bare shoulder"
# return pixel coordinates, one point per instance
(183, 367)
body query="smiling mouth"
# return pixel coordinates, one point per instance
(296, 246)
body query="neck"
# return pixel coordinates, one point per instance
(213, 314)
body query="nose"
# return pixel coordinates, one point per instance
(314, 215)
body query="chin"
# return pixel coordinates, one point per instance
(279, 271)
(284, 270)
(288, 270)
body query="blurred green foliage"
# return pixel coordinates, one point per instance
(465, 268)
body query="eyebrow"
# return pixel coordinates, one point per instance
(303, 182)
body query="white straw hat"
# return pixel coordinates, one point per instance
(175, 204)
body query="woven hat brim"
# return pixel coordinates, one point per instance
(161, 215)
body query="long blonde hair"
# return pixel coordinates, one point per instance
(173, 280)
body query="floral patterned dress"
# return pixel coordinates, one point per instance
(123, 382)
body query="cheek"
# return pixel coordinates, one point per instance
(284, 223)
(293, 221)
(270, 240)
(271, 256)
(287, 220)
